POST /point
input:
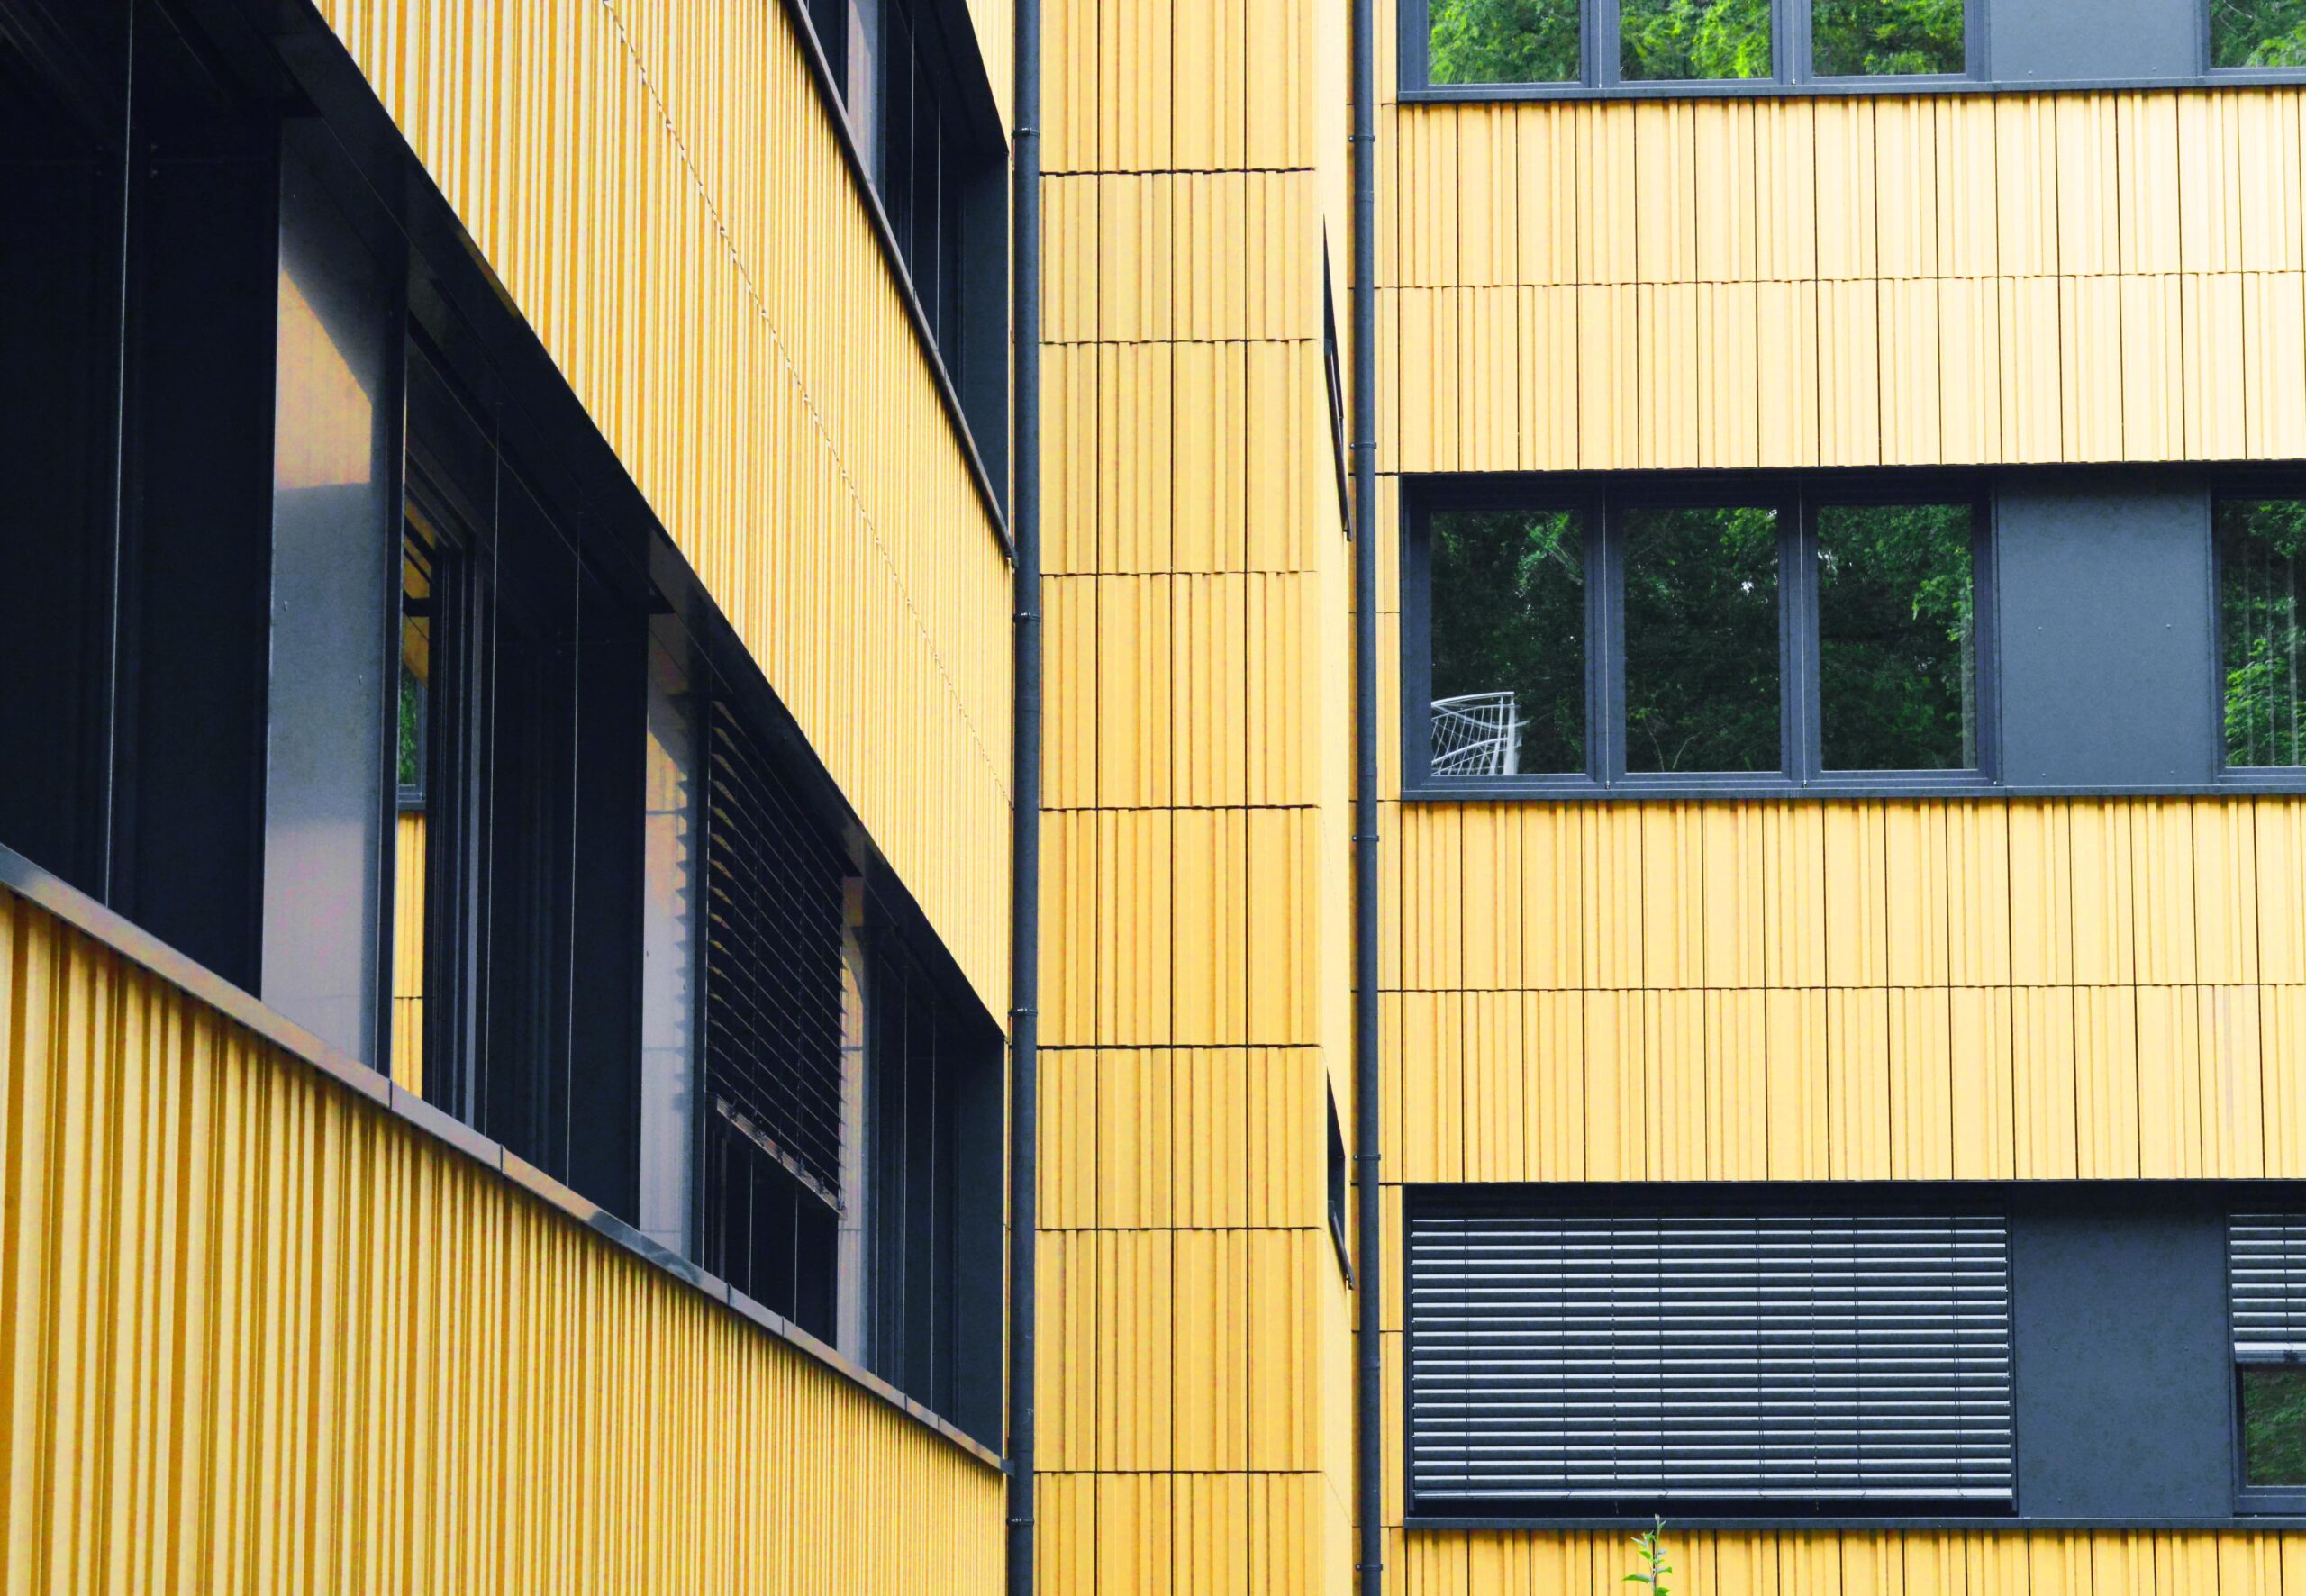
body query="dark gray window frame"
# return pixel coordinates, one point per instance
(1790, 57)
(1797, 497)
(2042, 1214)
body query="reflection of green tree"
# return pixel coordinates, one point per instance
(2261, 545)
(2273, 1426)
(1509, 613)
(1677, 40)
(2257, 32)
(1895, 653)
(1867, 37)
(1503, 41)
(1701, 639)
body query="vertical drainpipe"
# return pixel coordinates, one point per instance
(1367, 1124)
(1024, 914)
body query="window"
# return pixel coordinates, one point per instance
(1886, 38)
(2266, 1260)
(1793, 632)
(1338, 1186)
(1610, 43)
(1645, 1358)
(1686, 40)
(2258, 33)
(2261, 548)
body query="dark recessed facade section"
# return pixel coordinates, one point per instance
(1900, 1353)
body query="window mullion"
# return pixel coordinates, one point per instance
(1601, 32)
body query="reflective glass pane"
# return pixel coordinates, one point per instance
(1508, 642)
(1502, 42)
(1675, 41)
(1701, 665)
(1885, 38)
(2273, 1425)
(1897, 655)
(2261, 548)
(2257, 32)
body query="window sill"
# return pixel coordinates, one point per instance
(140, 947)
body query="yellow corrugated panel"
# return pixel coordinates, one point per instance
(2170, 1095)
(263, 1337)
(1858, 1084)
(2107, 1084)
(2273, 401)
(2031, 401)
(1608, 386)
(1665, 192)
(1795, 1037)
(1912, 385)
(2043, 1082)
(1724, 135)
(1616, 1112)
(1737, 1098)
(2216, 365)
(2088, 195)
(1969, 369)
(2091, 367)
(1923, 1073)
(1982, 1086)
(1673, 1085)
(2281, 1020)
(1606, 225)
(1847, 222)
(1672, 895)
(1547, 164)
(2279, 826)
(2152, 357)
(1850, 358)
(1786, 195)
(1786, 340)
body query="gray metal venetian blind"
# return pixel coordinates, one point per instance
(1575, 1358)
(2265, 1259)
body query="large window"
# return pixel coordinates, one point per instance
(1808, 633)
(1609, 1355)
(2261, 546)
(343, 657)
(1603, 43)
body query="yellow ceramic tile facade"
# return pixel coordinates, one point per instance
(256, 1335)
(1885, 280)
(661, 190)
(1195, 1409)
(1998, 989)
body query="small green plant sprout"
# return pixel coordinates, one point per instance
(1651, 1544)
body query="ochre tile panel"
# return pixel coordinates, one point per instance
(660, 189)
(1940, 280)
(2051, 989)
(263, 1337)
(1875, 1563)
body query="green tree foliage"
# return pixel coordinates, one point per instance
(2261, 557)
(2273, 1425)
(1873, 38)
(2257, 32)
(1503, 41)
(1897, 664)
(1663, 40)
(1702, 667)
(1509, 614)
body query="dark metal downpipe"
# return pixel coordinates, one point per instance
(1024, 915)
(1368, 1143)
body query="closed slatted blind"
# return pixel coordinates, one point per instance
(2267, 1259)
(1570, 1358)
(775, 904)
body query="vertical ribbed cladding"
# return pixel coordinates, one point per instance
(1024, 919)
(1368, 1125)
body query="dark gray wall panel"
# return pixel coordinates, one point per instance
(2107, 676)
(2066, 41)
(2123, 1409)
